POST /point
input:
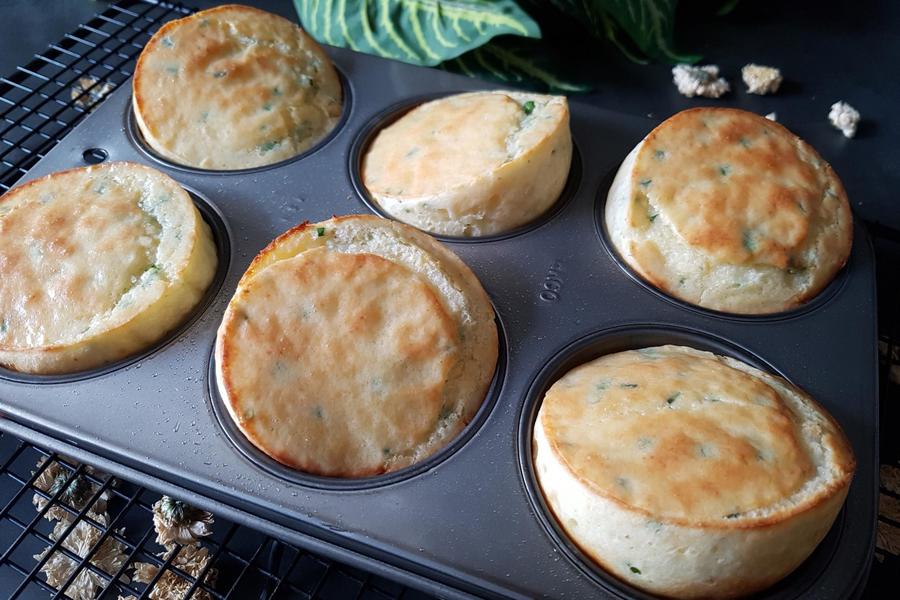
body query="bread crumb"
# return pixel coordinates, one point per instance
(699, 81)
(844, 117)
(772, 116)
(760, 79)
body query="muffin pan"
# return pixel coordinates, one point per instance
(469, 521)
(222, 241)
(367, 135)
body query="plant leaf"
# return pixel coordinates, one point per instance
(649, 24)
(524, 63)
(420, 32)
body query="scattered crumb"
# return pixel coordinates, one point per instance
(699, 81)
(844, 117)
(772, 116)
(87, 94)
(760, 79)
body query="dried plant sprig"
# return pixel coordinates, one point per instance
(76, 491)
(177, 522)
(109, 558)
(88, 92)
(191, 559)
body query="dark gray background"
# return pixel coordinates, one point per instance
(828, 51)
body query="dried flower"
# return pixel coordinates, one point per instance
(110, 557)
(177, 522)
(76, 491)
(760, 79)
(699, 81)
(191, 559)
(844, 117)
(87, 94)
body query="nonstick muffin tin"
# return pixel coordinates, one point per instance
(470, 518)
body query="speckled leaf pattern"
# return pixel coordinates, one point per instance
(649, 24)
(420, 32)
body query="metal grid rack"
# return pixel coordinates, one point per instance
(39, 104)
(243, 563)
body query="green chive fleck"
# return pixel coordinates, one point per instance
(732, 515)
(276, 91)
(659, 154)
(317, 411)
(744, 142)
(645, 182)
(600, 389)
(172, 69)
(634, 569)
(671, 399)
(749, 242)
(320, 231)
(627, 386)
(3, 326)
(652, 217)
(167, 42)
(267, 106)
(268, 146)
(220, 74)
(724, 170)
(528, 107)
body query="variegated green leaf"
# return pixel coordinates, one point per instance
(420, 32)
(522, 63)
(647, 24)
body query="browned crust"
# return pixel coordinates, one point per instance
(55, 348)
(831, 269)
(138, 98)
(847, 466)
(224, 351)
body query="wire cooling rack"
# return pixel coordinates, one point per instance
(39, 104)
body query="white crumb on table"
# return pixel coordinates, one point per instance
(844, 117)
(760, 79)
(699, 81)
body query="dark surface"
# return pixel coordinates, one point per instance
(661, 73)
